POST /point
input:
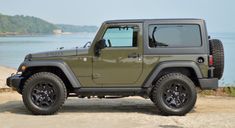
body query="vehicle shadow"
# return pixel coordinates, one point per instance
(130, 105)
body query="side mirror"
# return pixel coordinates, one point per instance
(98, 46)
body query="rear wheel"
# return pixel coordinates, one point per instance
(44, 93)
(174, 94)
(217, 51)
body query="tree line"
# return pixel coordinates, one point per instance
(21, 24)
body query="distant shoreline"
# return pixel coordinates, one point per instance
(9, 33)
(14, 34)
(3, 34)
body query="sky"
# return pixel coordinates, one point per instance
(219, 14)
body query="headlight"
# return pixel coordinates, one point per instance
(23, 68)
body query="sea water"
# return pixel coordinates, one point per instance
(14, 48)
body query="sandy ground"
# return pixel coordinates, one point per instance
(4, 73)
(113, 113)
(134, 112)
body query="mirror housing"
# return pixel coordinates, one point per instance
(98, 46)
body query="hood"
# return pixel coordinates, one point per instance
(59, 53)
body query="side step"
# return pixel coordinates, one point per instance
(110, 91)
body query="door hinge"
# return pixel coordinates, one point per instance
(96, 75)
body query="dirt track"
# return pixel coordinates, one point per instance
(117, 113)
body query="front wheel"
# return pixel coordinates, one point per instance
(174, 94)
(44, 93)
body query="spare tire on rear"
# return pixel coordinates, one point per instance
(217, 51)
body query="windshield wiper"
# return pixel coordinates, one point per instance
(161, 44)
(88, 44)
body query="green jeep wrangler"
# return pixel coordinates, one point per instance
(164, 60)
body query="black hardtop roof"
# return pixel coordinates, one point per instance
(143, 20)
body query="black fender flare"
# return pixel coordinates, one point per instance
(171, 64)
(55, 63)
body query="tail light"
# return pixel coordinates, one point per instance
(211, 61)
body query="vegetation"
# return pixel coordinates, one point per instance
(224, 91)
(20, 24)
(75, 28)
(230, 91)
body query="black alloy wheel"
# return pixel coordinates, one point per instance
(174, 94)
(44, 93)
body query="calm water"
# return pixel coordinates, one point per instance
(14, 49)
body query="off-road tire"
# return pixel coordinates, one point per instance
(56, 84)
(151, 98)
(159, 94)
(217, 51)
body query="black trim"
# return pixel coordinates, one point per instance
(56, 63)
(14, 82)
(211, 83)
(110, 91)
(211, 72)
(171, 64)
(144, 20)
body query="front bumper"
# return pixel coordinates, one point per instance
(15, 81)
(209, 83)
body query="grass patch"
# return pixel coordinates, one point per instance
(224, 91)
(230, 90)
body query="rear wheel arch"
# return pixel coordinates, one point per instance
(188, 68)
(187, 71)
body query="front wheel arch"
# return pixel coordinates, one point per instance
(52, 69)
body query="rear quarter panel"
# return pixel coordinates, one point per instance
(153, 56)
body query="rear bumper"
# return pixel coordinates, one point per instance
(209, 83)
(14, 81)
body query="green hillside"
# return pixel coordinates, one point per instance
(20, 24)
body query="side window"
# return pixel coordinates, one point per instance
(174, 36)
(121, 36)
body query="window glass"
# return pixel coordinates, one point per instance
(121, 37)
(174, 36)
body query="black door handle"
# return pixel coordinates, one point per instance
(133, 55)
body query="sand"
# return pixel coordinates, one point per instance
(209, 112)
(131, 112)
(4, 73)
